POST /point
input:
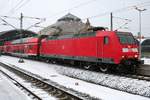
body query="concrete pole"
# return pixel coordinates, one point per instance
(139, 34)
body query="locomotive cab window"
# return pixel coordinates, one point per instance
(126, 38)
(106, 40)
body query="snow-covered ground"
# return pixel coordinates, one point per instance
(8, 91)
(52, 72)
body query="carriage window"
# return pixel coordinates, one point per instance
(106, 40)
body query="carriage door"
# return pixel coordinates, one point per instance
(106, 48)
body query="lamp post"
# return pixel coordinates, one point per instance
(139, 34)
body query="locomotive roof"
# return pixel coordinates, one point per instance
(55, 37)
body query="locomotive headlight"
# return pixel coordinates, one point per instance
(125, 50)
(136, 56)
(134, 49)
(123, 57)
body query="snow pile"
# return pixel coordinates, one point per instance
(130, 85)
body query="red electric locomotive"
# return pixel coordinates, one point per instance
(101, 48)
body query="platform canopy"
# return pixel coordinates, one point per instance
(15, 34)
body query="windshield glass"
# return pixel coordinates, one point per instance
(126, 38)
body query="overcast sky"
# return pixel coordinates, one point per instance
(54, 9)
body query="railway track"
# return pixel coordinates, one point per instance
(32, 84)
(142, 73)
(144, 70)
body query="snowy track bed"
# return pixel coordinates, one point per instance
(99, 89)
(43, 88)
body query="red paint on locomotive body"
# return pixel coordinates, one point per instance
(104, 46)
(70, 47)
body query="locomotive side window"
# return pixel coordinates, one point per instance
(106, 40)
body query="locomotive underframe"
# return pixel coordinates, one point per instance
(103, 64)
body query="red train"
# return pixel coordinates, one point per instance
(103, 49)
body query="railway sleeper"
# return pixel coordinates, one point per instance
(65, 97)
(39, 84)
(59, 94)
(54, 91)
(33, 80)
(36, 83)
(45, 87)
(49, 89)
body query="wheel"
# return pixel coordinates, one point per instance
(47, 61)
(53, 62)
(87, 66)
(103, 68)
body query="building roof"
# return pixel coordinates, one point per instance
(68, 24)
